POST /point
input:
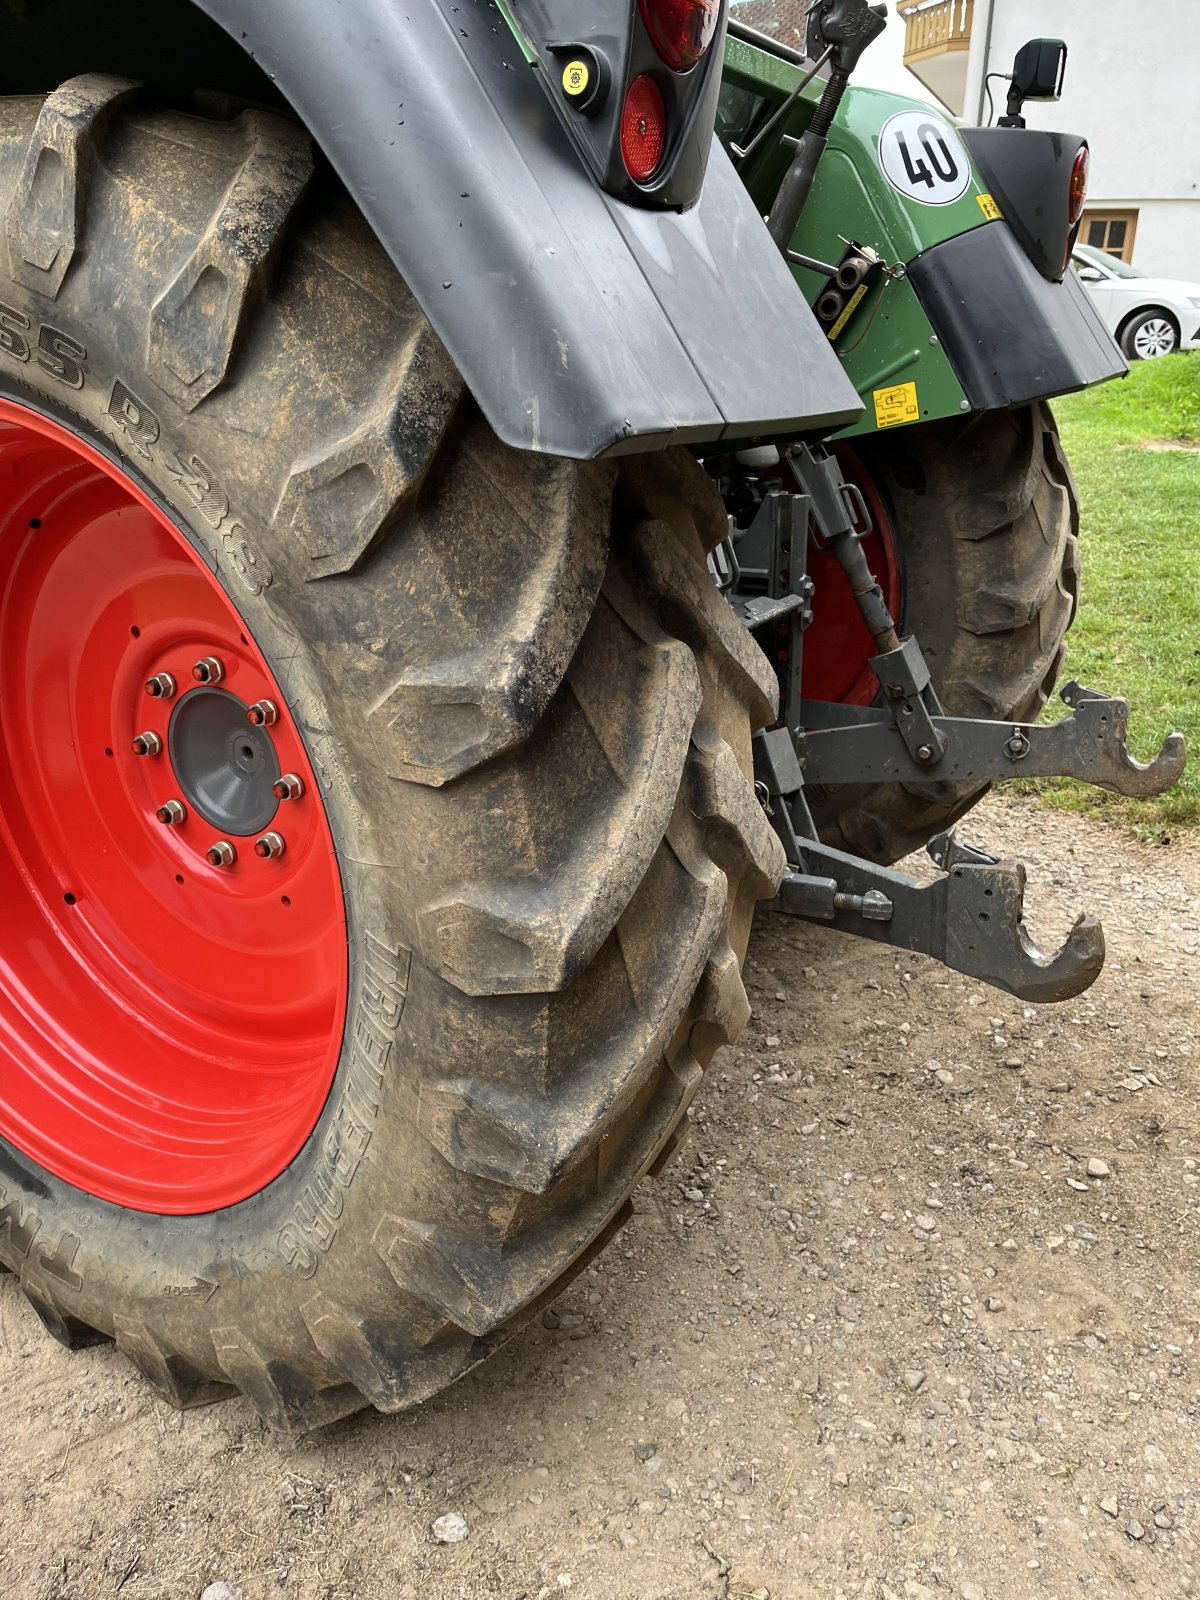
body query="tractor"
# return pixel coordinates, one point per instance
(456, 560)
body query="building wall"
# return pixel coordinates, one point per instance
(1136, 98)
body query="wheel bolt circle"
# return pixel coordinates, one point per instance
(172, 813)
(263, 713)
(269, 846)
(161, 686)
(220, 854)
(147, 744)
(208, 670)
(289, 787)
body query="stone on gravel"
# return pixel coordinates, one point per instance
(1109, 1505)
(971, 1591)
(450, 1529)
(1097, 1168)
(1077, 1183)
(994, 1303)
(913, 1378)
(644, 1451)
(222, 1590)
(1134, 1529)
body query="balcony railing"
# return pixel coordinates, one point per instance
(934, 27)
(937, 38)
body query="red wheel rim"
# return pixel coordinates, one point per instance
(837, 646)
(169, 1027)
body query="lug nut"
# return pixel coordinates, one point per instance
(172, 813)
(263, 713)
(221, 854)
(161, 686)
(147, 744)
(209, 670)
(289, 787)
(269, 846)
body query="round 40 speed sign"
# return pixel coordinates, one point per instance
(923, 157)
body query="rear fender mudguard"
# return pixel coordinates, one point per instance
(1029, 173)
(582, 325)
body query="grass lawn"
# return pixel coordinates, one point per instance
(1138, 629)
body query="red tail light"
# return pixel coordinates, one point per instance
(682, 30)
(1079, 183)
(643, 128)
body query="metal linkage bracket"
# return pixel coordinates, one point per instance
(779, 784)
(914, 709)
(860, 745)
(971, 919)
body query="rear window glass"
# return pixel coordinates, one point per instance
(784, 20)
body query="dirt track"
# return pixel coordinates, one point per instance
(877, 1333)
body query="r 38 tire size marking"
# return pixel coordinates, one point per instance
(923, 158)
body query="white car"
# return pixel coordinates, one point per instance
(1147, 316)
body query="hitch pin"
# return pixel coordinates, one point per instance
(874, 906)
(803, 895)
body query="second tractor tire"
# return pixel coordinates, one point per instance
(985, 519)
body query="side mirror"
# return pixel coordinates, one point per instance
(1037, 74)
(1039, 69)
(1090, 274)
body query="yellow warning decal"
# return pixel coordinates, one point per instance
(848, 311)
(896, 405)
(575, 77)
(989, 207)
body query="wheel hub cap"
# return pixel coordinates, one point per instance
(1153, 339)
(227, 768)
(172, 998)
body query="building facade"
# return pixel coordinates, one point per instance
(1135, 99)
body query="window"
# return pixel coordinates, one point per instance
(784, 20)
(1110, 231)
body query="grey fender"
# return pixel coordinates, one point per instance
(582, 325)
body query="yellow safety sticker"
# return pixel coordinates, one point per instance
(848, 311)
(575, 77)
(895, 405)
(989, 207)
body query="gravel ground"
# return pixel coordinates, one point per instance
(915, 1315)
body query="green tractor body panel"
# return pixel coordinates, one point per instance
(889, 347)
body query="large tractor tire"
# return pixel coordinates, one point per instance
(377, 845)
(978, 541)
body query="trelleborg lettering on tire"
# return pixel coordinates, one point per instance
(313, 1227)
